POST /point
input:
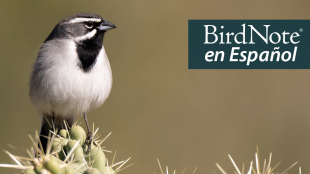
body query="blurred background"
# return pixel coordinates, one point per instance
(159, 108)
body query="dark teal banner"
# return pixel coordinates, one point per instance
(249, 44)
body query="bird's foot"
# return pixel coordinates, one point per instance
(89, 142)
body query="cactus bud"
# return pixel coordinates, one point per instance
(57, 144)
(77, 133)
(67, 170)
(53, 166)
(92, 171)
(78, 151)
(30, 171)
(63, 133)
(38, 167)
(97, 156)
(70, 170)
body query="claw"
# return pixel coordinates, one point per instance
(88, 141)
(89, 138)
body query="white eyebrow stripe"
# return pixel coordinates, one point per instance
(87, 36)
(77, 20)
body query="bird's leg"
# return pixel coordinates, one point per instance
(89, 137)
(53, 123)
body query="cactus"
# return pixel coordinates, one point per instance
(97, 156)
(77, 150)
(52, 165)
(30, 171)
(63, 133)
(167, 171)
(92, 171)
(65, 155)
(265, 169)
(77, 133)
(107, 170)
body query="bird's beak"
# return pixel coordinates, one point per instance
(106, 25)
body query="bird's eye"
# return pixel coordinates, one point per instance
(89, 25)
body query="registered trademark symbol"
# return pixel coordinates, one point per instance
(301, 30)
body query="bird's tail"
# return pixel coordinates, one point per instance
(52, 123)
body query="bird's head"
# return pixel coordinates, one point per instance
(81, 27)
(86, 30)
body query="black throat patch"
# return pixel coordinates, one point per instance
(88, 51)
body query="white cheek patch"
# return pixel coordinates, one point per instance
(78, 20)
(87, 36)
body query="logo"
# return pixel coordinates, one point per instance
(249, 44)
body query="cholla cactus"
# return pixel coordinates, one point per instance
(266, 169)
(65, 155)
(167, 170)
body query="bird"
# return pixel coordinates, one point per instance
(71, 74)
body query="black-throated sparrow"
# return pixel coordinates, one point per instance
(72, 73)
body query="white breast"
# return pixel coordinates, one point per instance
(59, 85)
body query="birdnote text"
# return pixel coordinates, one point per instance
(248, 44)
